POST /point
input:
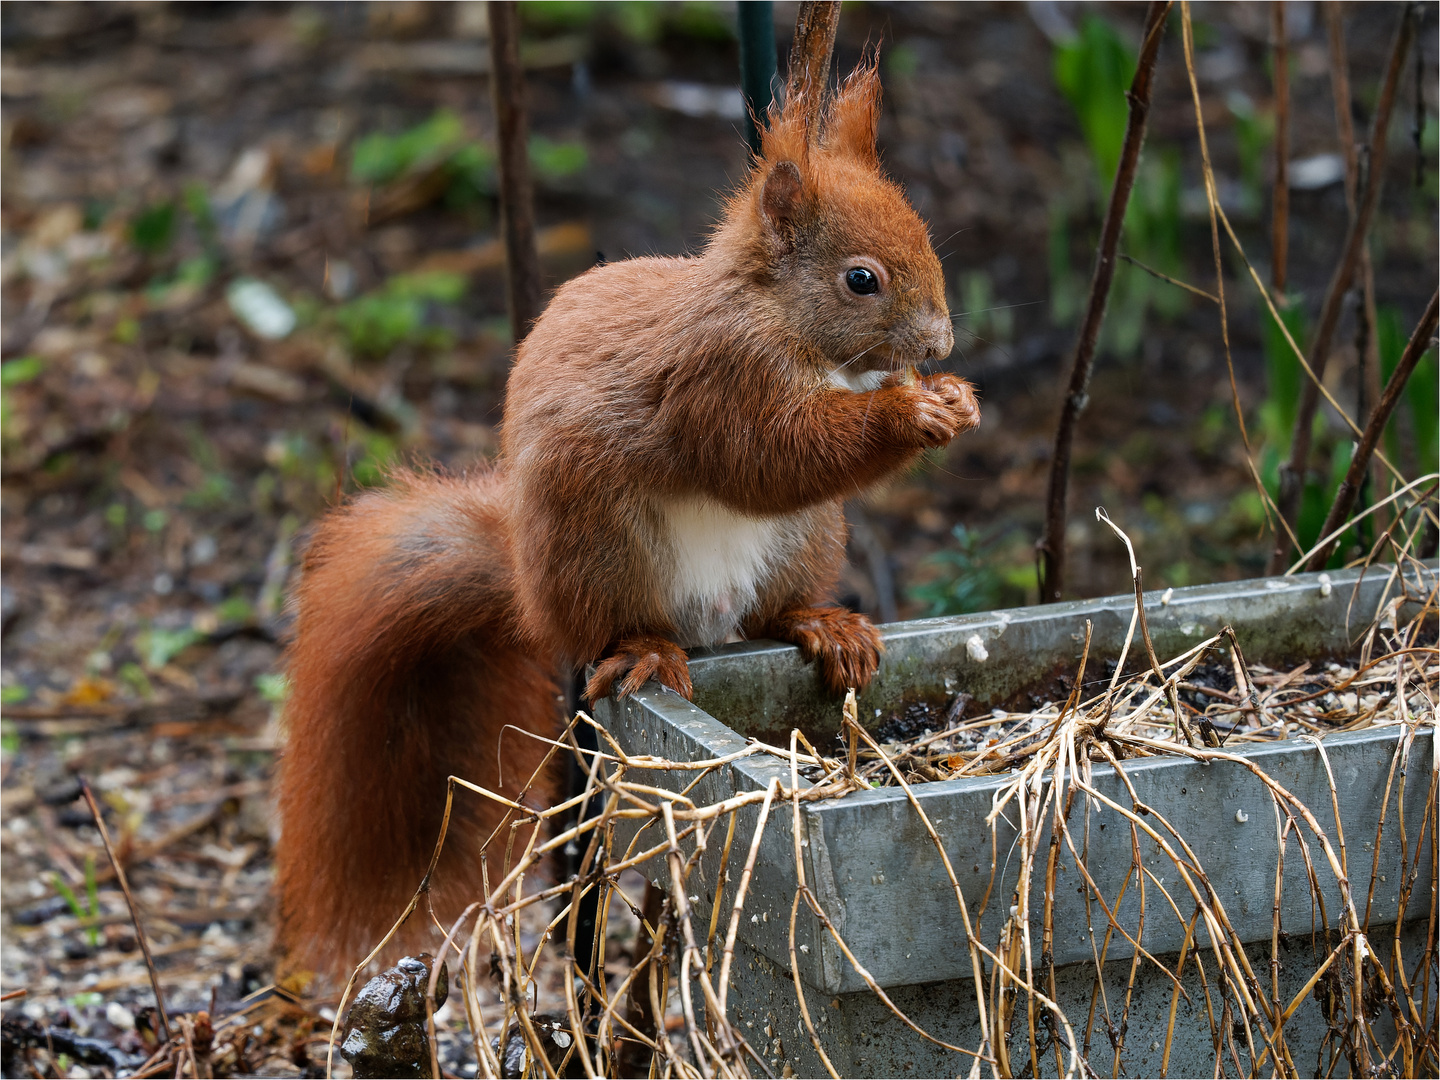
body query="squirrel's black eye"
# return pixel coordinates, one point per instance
(862, 281)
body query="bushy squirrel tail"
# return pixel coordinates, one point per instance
(406, 667)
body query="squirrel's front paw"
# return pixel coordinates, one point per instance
(941, 407)
(845, 645)
(639, 659)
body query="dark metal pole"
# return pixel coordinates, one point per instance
(757, 63)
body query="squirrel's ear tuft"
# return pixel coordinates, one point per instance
(853, 119)
(782, 197)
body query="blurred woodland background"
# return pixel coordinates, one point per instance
(250, 257)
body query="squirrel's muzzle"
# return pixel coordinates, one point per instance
(937, 336)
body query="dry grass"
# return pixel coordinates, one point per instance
(1378, 1001)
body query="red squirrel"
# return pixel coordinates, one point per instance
(678, 439)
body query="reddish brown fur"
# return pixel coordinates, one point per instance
(652, 397)
(406, 663)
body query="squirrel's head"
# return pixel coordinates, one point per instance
(835, 245)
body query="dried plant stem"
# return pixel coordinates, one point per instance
(1393, 497)
(1420, 342)
(1367, 350)
(738, 908)
(802, 888)
(517, 199)
(1310, 372)
(1340, 91)
(1181, 727)
(810, 52)
(1051, 751)
(130, 903)
(1280, 199)
(1212, 199)
(1168, 279)
(1051, 548)
(1292, 473)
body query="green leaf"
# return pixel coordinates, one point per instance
(197, 205)
(975, 575)
(22, 369)
(159, 647)
(1421, 392)
(396, 313)
(133, 676)
(380, 158)
(439, 285)
(273, 687)
(235, 609)
(1283, 374)
(1094, 70)
(127, 330)
(380, 453)
(556, 160)
(14, 694)
(153, 228)
(68, 894)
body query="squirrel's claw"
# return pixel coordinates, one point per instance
(846, 646)
(640, 659)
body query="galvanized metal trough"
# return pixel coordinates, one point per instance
(877, 875)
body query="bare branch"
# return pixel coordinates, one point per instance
(517, 201)
(815, 26)
(1292, 473)
(1280, 205)
(1052, 544)
(1349, 488)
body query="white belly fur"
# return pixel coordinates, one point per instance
(721, 561)
(859, 382)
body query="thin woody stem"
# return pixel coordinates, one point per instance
(1052, 543)
(517, 201)
(160, 1011)
(1420, 341)
(1280, 204)
(1292, 473)
(1366, 350)
(815, 26)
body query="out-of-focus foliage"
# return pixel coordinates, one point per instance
(1421, 394)
(1094, 70)
(440, 143)
(977, 574)
(1254, 133)
(379, 158)
(467, 166)
(152, 230)
(984, 316)
(398, 313)
(1283, 374)
(640, 21)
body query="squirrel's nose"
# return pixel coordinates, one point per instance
(938, 336)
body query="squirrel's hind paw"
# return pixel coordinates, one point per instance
(845, 645)
(639, 659)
